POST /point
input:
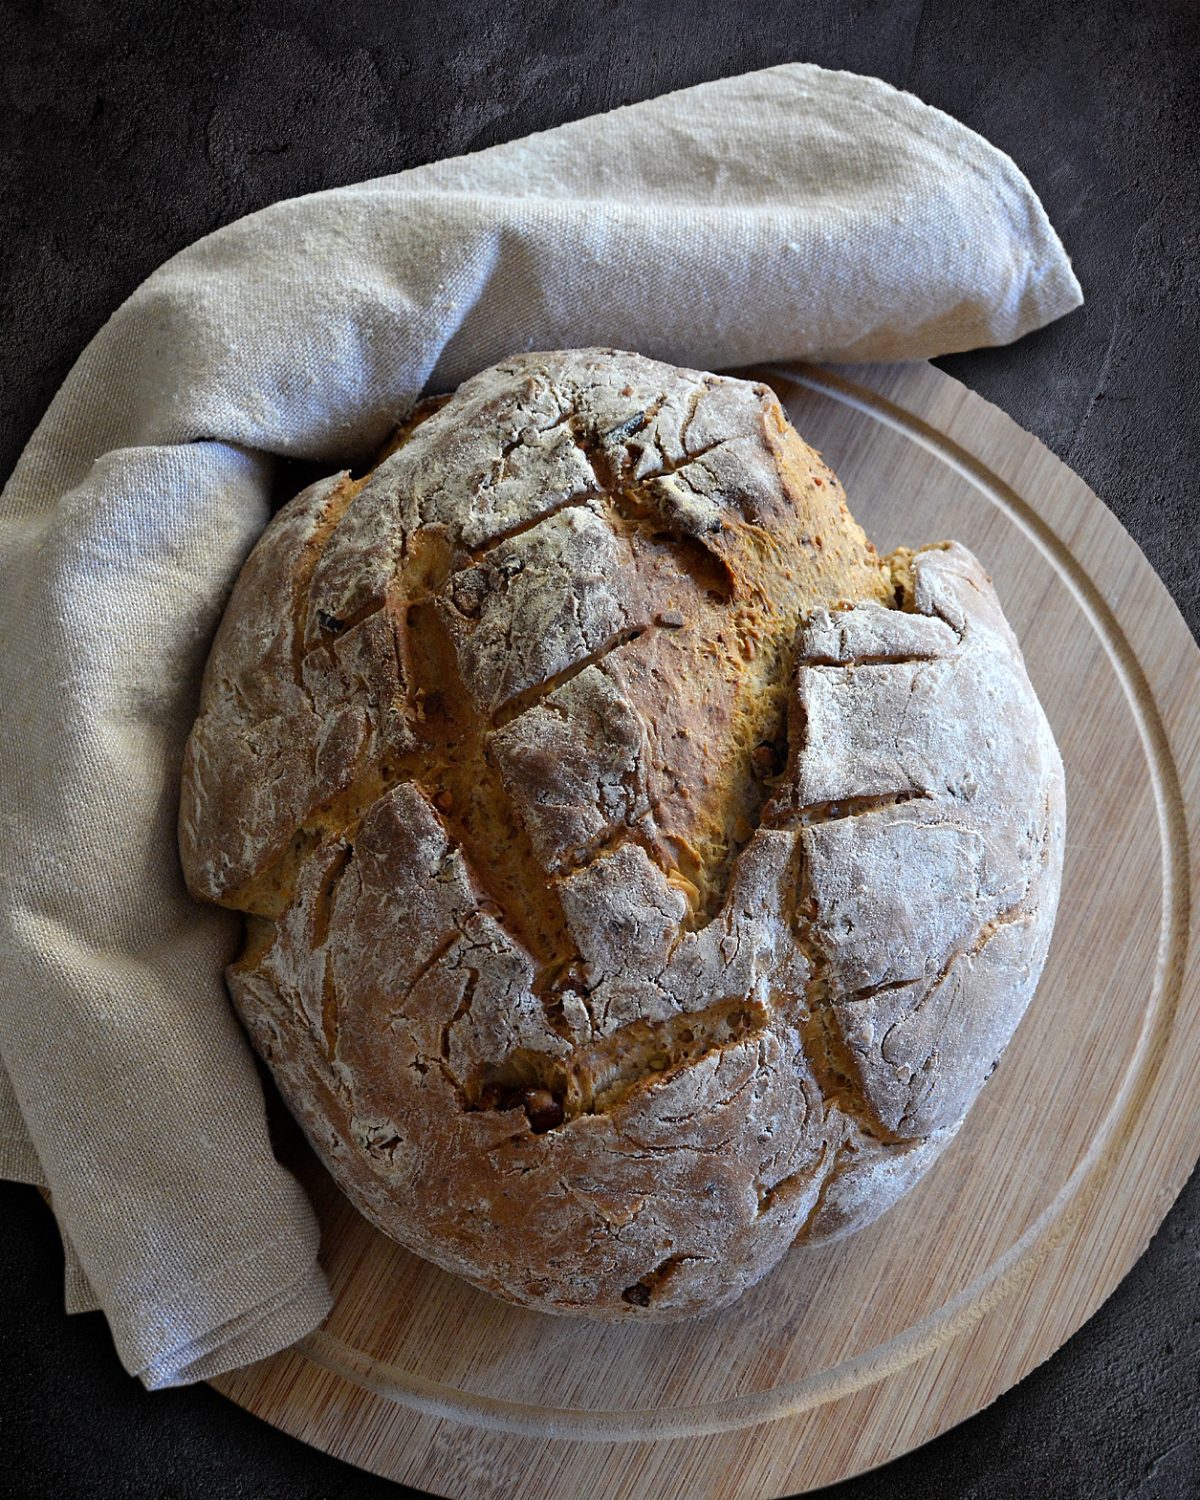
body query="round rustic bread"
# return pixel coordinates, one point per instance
(642, 875)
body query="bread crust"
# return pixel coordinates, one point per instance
(643, 875)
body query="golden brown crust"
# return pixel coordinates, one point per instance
(644, 873)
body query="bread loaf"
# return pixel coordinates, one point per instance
(642, 875)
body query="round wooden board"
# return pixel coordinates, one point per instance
(852, 1353)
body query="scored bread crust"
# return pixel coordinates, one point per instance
(642, 875)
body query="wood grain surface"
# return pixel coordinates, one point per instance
(852, 1353)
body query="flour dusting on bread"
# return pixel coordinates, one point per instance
(642, 874)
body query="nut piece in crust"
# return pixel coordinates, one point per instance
(642, 875)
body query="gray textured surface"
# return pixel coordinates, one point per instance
(128, 130)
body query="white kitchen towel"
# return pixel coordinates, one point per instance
(787, 213)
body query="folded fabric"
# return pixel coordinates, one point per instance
(788, 213)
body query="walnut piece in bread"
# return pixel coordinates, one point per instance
(642, 875)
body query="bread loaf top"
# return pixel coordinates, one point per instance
(642, 874)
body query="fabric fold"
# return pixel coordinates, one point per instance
(789, 213)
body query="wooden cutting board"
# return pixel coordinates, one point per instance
(852, 1353)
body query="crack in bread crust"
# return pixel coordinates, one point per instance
(585, 941)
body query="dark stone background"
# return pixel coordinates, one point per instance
(128, 130)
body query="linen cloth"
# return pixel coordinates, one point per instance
(788, 213)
